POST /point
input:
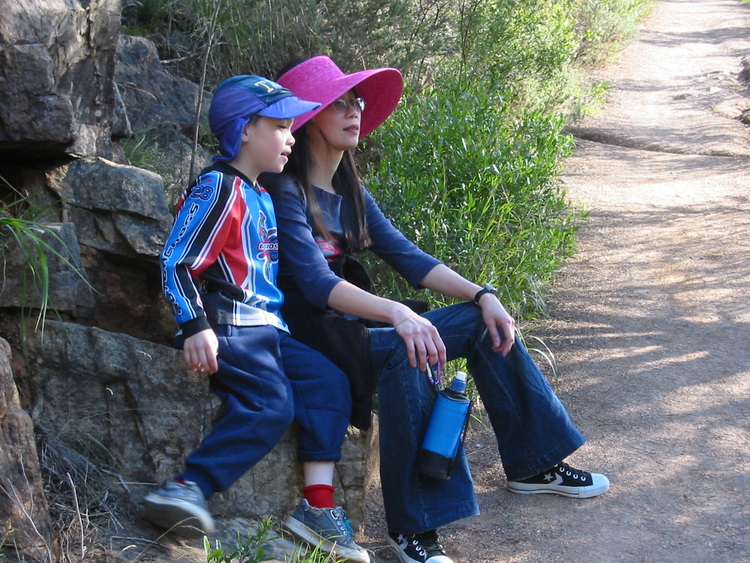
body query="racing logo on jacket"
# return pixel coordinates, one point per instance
(268, 247)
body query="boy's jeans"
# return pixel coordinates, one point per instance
(533, 430)
(266, 379)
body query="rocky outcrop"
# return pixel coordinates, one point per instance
(68, 292)
(145, 413)
(26, 525)
(153, 97)
(162, 111)
(120, 392)
(119, 210)
(56, 77)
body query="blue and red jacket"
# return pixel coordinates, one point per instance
(220, 262)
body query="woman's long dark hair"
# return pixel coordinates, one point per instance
(346, 183)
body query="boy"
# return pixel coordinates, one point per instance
(219, 268)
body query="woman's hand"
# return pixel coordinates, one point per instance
(495, 315)
(422, 339)
(201, 350)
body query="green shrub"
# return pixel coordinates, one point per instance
(604, 26)
(536, 47)
(527, 45)
(542, 48)
(473, 183)
(252, 549)
(258, 546)
(259, 37)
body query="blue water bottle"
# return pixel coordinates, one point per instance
(445, 431)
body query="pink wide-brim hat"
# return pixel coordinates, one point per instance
(319, 80)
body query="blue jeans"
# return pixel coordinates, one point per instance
(532, 428)
(266, 380)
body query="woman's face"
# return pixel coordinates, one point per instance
(338, 123)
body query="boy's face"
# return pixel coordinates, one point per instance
(269, 143)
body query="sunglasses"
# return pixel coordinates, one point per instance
(342, 106)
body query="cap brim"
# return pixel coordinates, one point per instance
(288, 108)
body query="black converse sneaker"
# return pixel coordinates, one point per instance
(562, 480)
(420, 548)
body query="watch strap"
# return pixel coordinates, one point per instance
(486, 289)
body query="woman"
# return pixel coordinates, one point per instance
(325, 215)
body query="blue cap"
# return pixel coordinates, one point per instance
(239, 98)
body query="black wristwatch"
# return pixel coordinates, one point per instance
(486, 289)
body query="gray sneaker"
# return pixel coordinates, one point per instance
(180, 508)
(328, 529)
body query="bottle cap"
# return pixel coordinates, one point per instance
(459, 382)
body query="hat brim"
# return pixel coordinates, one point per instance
(380, 88)
(289, 108)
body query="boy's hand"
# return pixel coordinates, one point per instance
(201, 350)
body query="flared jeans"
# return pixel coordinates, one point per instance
(533, 429)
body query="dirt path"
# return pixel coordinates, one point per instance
(650, 322)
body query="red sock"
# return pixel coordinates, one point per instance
(319, 496)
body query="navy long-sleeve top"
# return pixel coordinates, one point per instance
(305, 255)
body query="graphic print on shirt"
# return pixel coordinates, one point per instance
(331, 250)
(268, 247)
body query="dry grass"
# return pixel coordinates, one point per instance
(87, 503)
